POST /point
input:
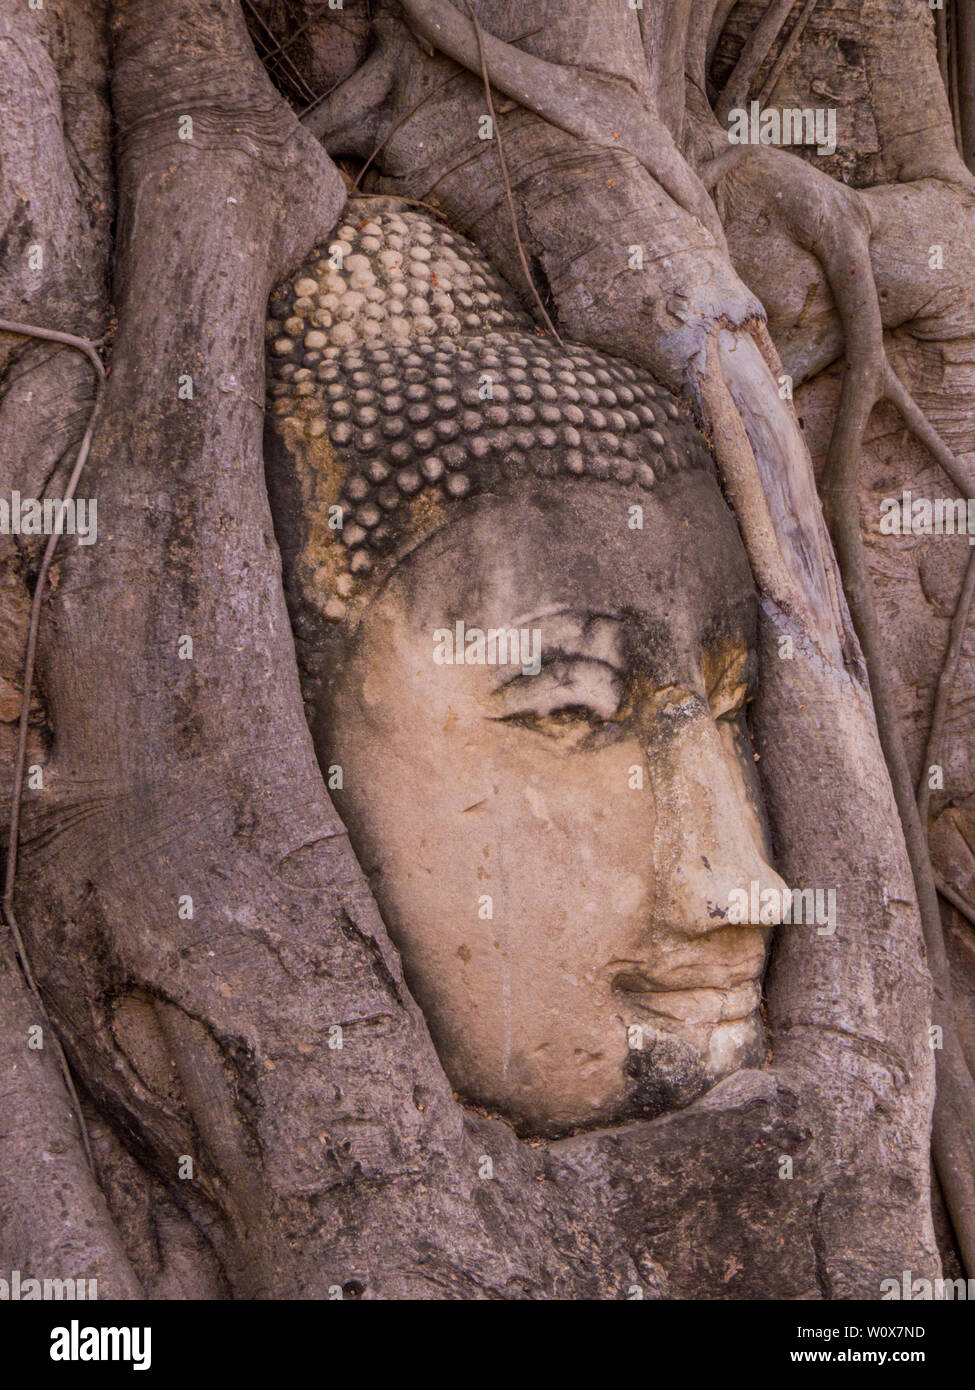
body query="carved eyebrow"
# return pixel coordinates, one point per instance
(582, 616)
(576, 632)
(550, 665)
(594, 637)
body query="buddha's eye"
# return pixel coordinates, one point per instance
(575, 695)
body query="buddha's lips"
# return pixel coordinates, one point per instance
(735, 999)
(716, 961)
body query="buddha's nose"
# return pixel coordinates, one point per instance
(711, 866)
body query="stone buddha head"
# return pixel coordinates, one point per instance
(526, 626)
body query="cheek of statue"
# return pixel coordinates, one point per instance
(558, 899)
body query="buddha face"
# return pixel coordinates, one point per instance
(553, 838)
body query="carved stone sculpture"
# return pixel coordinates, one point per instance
(527, 624)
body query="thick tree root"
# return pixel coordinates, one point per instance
(832, 222)
(867, 379)
(786, 52)
(23, 728)
(753, 55)
(595, 108)
(932, 752)
(509, 196)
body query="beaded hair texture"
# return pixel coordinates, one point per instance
(404, 376)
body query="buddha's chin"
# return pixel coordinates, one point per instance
(735, 1044)
(680, 1061)
(675, 1063)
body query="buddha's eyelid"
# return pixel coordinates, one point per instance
(556, 658)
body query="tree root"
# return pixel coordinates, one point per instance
(510, 197)
(786, 52)
(16, 795)
(867, 379)
(275, 50)
(354, 105)
(602, 110)
(957, 901)
(830, 221)
(757, 47)
(956, 638)
(964, 30)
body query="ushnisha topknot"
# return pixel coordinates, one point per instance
(404, 376)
